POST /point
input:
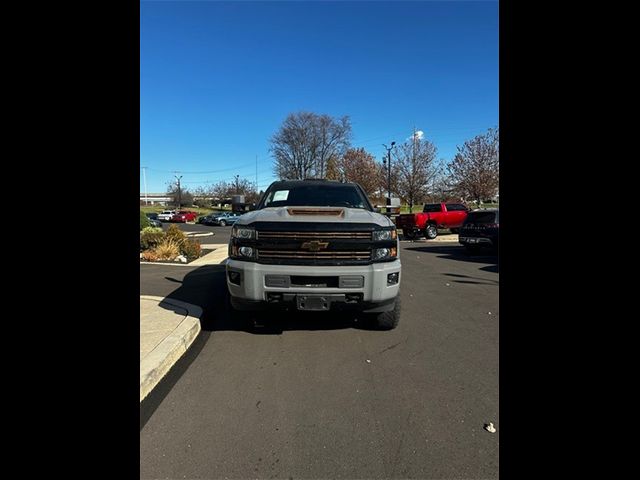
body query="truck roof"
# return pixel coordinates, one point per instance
(311, 181)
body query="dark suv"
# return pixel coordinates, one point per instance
(480, 229)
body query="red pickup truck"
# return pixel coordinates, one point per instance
(433, 217)
(184, 216)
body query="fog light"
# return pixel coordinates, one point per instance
(392, 278)
(246, 251)
(234, 277)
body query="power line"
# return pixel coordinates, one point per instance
(204, 171)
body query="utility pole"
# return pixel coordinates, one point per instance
(144, 175)
(237, 185)
(256, 173)
(179, 192)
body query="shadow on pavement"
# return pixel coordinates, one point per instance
(458, 253)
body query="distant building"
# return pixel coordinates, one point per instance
(155, 198)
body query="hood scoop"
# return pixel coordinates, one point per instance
(327, 212)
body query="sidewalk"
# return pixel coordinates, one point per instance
(168, 327)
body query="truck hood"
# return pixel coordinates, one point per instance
(314, 215)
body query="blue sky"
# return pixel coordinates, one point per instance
(218, 78)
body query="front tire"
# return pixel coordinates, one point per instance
(386, 320)
(430, 231)
(223, 223)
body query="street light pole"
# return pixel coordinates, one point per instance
(389, 174)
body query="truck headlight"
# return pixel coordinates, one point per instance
(243, 233)
(241, 252)
(385, 235)
(384, 253)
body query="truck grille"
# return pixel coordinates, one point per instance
(321, 244)
(260, 235)
(300, 254)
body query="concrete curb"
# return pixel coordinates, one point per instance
(216, 257)
(195, 234)
(447, 238)
(155, 365)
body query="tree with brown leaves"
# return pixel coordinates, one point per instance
(356, 165)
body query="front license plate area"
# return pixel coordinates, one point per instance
(313, 302)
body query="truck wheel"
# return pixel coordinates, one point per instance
(430, 231)
(408, 234)
(223, 223)
(387, 320)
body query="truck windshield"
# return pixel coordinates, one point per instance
(315, 196)
(481, 217)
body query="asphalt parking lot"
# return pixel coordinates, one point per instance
(322, 397)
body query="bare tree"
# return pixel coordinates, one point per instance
(441, 189)
(201, 197)
(475, 169)
(305, 143)
(179, 197)
(240, 186)
(416, 169)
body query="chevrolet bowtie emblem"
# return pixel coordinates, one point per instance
(314, 245)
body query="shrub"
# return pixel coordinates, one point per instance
(175, 234)
(191, 249)
(152, 230)
(167, 250)
(144, 221)
(151, 239)
(149, 256)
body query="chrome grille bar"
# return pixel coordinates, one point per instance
(284, 254)
(313, 235)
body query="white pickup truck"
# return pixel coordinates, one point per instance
(316, 245)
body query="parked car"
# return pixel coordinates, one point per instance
(184, 216)
(222, 219)
(434, 216)
(155, 223)
(166, 215)
(481, 229)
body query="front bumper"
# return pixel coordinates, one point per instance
(253, 292)
(475, 241)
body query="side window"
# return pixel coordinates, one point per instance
(455, 207)
(432, 208)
